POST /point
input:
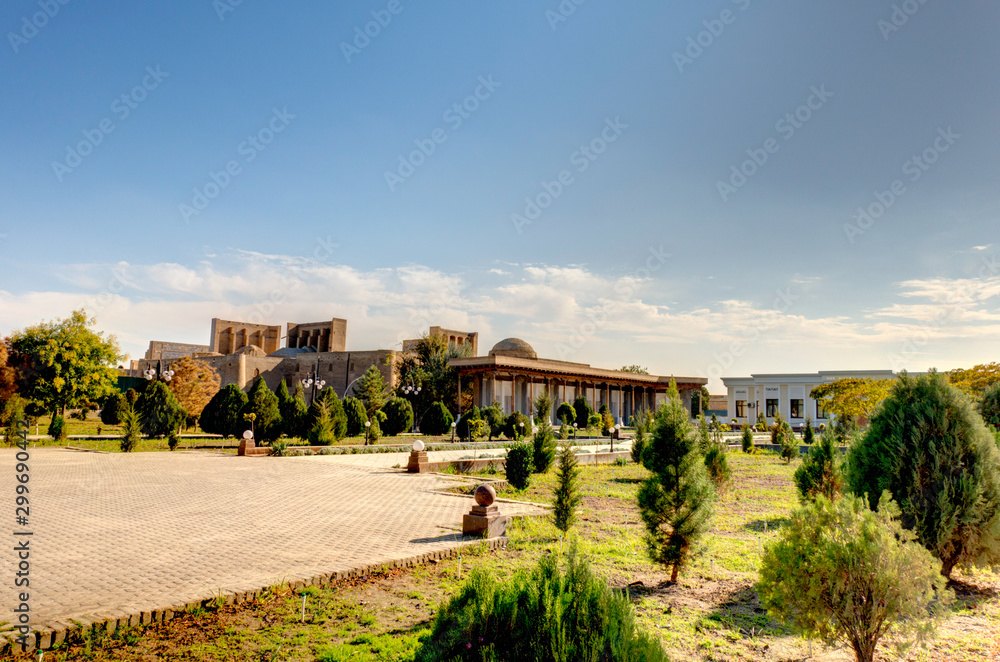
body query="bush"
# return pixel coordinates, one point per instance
(223, 413)
(398, 416)
(293, 410)
(57, 428)
(718, 467)
(567, 492)
(131, 422)
(356, 416)
(844, 574)
(323, 430)
(820, 473)
(640, 438)
(582, 411)
(808, 435)
(607, 422)
(543, 407)
(540, 614)
(929, 448)
(519, 464)
(704, 438)
(761, 422)
(989, 406)
(747, 439)
(676, 501)
(173, 440)
(566, 413)
(463, 423)
(594, 421)
(493, 415)
(264, 404)
(335, 411)
(111, 411)
(160, 411)
(436, 420)
(782, 435)
(543, 448)
(516, 426)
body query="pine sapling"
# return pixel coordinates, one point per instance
(567, 492)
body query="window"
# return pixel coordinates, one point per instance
(819, 410)
(772, 407)
(741, 408)
(796, 409)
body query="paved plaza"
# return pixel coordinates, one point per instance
(118, 534)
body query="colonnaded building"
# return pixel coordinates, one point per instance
(511, 373)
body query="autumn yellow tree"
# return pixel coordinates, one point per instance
(852, 397)
(194, 383)
(976, 379)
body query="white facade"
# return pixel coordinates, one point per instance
(785, 394)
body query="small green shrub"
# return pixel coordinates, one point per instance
(321, 433)
(566, 414)
(354, 411)
(718, 467)
(516, 426)
(57, 428)
(519, 464)
(436, 420)
(821, 472)
(398, 416)
(639, 439)
(173, 440)
(747, 439)
(462, 429)
(278, 448)
(543, 448)
(542, 614)
(131, 428)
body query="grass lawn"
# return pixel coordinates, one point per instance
(711, 614)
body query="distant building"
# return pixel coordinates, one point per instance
(455, 338)
(513, 375)
(787, 394)
(159, 350)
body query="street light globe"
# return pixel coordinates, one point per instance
(418, 445)
(248, 434)
(453, 424)
(368, 424)
(321, 383)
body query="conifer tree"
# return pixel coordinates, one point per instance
(929, 448)
(335, 410)
(676, 502)
(321, 433)
(224, 412)
(160, 411)
(821, 472)
(704, 438)
(747, 439)
(264, 404)
(567, 491)
(808, 435)
(131, 423)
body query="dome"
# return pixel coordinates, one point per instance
(514, 347)
(292, 352)
(251, 350)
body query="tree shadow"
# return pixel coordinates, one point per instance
(740, 610)
(969, 594)
(627, 481)
(762, 525)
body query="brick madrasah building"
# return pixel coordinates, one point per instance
(511, 373)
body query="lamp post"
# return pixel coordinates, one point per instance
(152, 373)
(521, 424)
(612, 431)
(314, 382)
(368, 427)
(574, 432)
(411, 392)
(454, 424)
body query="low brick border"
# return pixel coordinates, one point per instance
(46, 639)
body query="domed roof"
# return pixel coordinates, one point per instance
(514, 347)
(292, 352)
(251, 350)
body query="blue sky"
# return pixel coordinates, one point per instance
(622, 122)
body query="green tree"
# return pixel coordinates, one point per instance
(544, 447)
(567, 491)
(782, 436)
(65, 363)
(747, 439)
(643, 423)
(761, 422)
(718, 468)
(398, 416)
(159, 410)
(704, 438)
(11, 414)
(989, 405)
(820, 472)
(852, 397)
(111, 411)
(322, 430)
(292, 409)
(676, 502)
(372, 391)
(493, 415)
(131, 422)
(566, 413)
(437, 420)
(335, 410)
(57, 428)
(543, 407)
(540, 614)
(583, 411)
(516, 425)
(929, 448)
(264, 403)
(634, 369)
(356, 417)
(842, 573)
(427, 366)
(224, 412)
(808, 435)
(519, 464)
(463, 430)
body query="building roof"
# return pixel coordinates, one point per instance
(503, 363)
(514, 347)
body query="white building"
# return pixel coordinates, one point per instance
(786, 394)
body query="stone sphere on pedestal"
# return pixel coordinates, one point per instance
(418, 445)
(485, 495)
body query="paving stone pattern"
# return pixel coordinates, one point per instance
(124, 534)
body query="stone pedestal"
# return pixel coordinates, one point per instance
(418, 462)
(484, 522)
(245, 445)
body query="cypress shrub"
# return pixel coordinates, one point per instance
(160, 410)
(398, 416)
(519, 464)
(808, 435)
(704, 438)
(718, 467)
(541, 614)
(222, 415)
(57, 428)
(567, 490)
(566, 413)
(293, 410)
(747, 439)
(543, 448)
(516, 426)
(929, 448)
(356, 415)
(820, 472)
(436, 420)
(582, 410)
(322, 431)
(493, 415)
(111, 411)
(463, 423)
(335, 410)
(131, 422)
(640, 438)
(989, 406)
(264, 403)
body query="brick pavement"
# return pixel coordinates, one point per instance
(121, 534)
